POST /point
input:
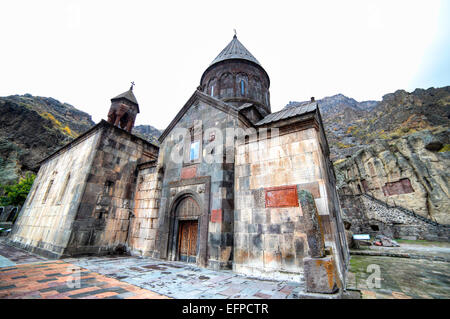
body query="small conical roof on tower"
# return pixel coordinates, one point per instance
(235, 50)
(128, 95)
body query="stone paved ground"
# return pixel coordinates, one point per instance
(181, 280)
(400, 278)
(14, 255)
(26, 275)
(61, 280)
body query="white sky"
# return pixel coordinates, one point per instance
(86, 52)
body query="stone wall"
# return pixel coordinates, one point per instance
(371, 216)
(270, 234)
(102, 221)
(45, 221)
(226, 79)
(82, 198)
(144, 224)
(210, 119)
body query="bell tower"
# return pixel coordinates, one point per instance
(123, 110)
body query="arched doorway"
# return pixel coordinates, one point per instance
(187, 214)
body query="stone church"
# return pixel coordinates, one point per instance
(231, 185)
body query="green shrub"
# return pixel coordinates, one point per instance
(16, 194)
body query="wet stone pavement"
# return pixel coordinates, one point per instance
(61, 280)
(181, 280)
(26, 275)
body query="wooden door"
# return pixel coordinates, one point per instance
(187, 244)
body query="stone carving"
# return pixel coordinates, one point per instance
(313, 226)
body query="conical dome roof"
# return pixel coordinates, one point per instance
(128, 95)
(235, 50)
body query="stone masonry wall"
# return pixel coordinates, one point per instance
(217, 196)
(144, 224)
(45, 221)
(102, 221)
(270, 238)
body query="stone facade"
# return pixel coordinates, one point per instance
(144, 224)
(80, 200)
(231, 185)
(211, 119)
(270, 234)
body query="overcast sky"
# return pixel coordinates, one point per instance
(86, 52)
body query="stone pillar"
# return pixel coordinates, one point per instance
(130, 123)
(320, 270)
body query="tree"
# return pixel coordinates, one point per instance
(16, 194)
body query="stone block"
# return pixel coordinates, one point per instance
(321, 275)
(284, 196)
(216, 216)
(313, 188)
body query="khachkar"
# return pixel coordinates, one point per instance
(320, 269)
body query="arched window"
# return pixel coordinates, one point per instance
(212, 87)
(63, 191)
(242, 84)
(49, 187)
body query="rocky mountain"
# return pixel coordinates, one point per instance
(148, 133)
(351, 125)
(33, 127)
(395, 150)
(410, 172)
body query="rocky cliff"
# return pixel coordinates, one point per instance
(396, 150)
(33, 127)
(410, 172)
